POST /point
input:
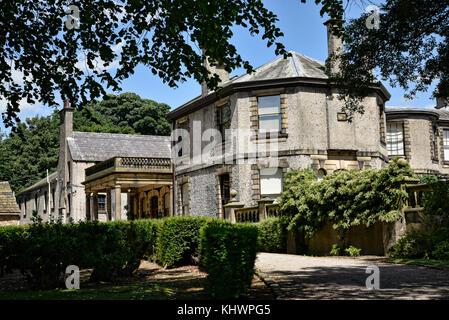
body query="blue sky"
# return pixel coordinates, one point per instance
(304, 32)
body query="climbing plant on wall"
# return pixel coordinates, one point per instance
(344, 198)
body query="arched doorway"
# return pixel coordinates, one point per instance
(167, 204)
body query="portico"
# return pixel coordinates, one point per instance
(123, 188)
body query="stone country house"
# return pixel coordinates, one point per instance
(292, 101)
(102, 176)
(286, 116)
(9, 210)
(245, 138)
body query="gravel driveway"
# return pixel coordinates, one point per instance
(302, 277)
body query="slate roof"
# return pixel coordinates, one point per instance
(93, 147)
(8, 204)
(40, 183)
(443, 114)
(297, 65)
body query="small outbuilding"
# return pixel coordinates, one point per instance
(9, 210)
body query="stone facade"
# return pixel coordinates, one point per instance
(423, 138)
(63, 196)
(313, 134)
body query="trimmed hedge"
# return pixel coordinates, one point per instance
(178, 240)
(228, 253)
(273, 235)
(42, 251)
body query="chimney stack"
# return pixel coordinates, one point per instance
(218, 70)
(442, 103)
(334, 43)
(65, 131)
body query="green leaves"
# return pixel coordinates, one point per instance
(126, 113)
(228, 253)
(178, 240)
(163, 35)
(345, 198)
(410, 50)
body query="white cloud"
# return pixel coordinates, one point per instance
(24, 105)
(98, 62)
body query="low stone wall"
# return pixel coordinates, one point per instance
(375, 240)
(9, 220)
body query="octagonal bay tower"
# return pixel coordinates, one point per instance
(259, 126)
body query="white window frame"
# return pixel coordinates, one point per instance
(271, 181)
(446, 144)
(395, 139)
(267, 112)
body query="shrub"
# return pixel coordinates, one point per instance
(441, 251)
(48, 250)
(336, 250)
(435, 201)
(11, 247)
(346, 198)
(42, 251)
(353, 251)
(122, 246)
(228, 253)
(178, 240)
(416, 244)
(273, 235)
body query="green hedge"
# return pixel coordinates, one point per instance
(178, 240)
(228, 253)
(42, 251)
(273, 235)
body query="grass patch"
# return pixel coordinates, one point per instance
(130, 292)
(150, 283)
(444, 264)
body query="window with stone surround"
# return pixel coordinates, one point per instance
(434, 141)
(185, 199)
(182, 124)
(269, 110)
(101, 202)
(395, 138)
(46, 201)
(223, 119)
(36, 202)
(270, 181)
(446, 144)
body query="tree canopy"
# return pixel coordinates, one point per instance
(46, 51)
(408, 46)
(124, 113)
(78, 49)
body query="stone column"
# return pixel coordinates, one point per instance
(117, 204)
(108, 205)
(88, 210)
(263, 214)
(171, 201)
(231, 206)
(94, 206)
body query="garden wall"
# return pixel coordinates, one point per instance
(375, 240)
